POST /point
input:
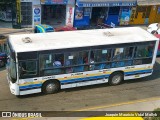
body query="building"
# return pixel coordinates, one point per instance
(29, 13)
(146, 12)
(80, 13)
(111, 12)
(6, 11)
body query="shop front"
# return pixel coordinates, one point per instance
(6, 11)
(93, 12)
(145, 12)
(57, 12)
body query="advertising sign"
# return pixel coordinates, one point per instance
(82, 16)
(79, 13)
(36, 14)
(70, 15)
(49, 2)
(125, 16)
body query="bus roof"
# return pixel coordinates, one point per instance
(79, 38)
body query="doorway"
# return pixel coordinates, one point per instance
(98, 15)
(54, 15)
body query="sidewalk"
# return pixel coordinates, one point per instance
(6, 29)
(9, 31)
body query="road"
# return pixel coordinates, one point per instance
(82, 97)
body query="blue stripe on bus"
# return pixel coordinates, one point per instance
(84, 79)
(33, 86)
(77, 80)
(138, 72)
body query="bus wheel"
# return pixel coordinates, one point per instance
(115, 78)
(50, 87)
(2, 63)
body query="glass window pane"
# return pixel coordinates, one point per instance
(28, 67)
(46, 61)
(58, 60)
(128, 52)
(102, 55)
(71, 58)
(144, 51)
(83, 57)
(118, 54)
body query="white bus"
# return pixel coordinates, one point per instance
(48, 62)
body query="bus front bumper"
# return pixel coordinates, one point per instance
(14, 88)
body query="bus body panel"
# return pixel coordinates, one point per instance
(33, 85)
(158, 52)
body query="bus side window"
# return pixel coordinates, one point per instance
(128, 52)
(118, 54)
(144, 51)
(84, 55)
(45, 61)
(58, 60)
(28, 67)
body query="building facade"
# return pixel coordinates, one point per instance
(146, 12)
(110, 12)
(80, 13)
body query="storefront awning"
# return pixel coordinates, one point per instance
(51, 2)
(109, 3)
(148, 2)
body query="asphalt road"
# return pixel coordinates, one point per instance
(82, 97)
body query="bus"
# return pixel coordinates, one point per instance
(158, 52)
(48, 62)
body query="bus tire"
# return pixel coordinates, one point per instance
(116, 78)
(50, 87)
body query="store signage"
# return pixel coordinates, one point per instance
(37, 14)
(48, 2)
(125, 16)
(100, 4)
(70, 14)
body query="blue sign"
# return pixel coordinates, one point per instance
(50, 2)
(82, 17)
(108, 4)
(37, 11)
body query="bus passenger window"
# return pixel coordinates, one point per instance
(144, 51)
(71, 58)
(102, 55)
(128, 52)
(82, 57)
(28, 68)
(85, 56)
(46, 61)
(118, 54)
(58, 60)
